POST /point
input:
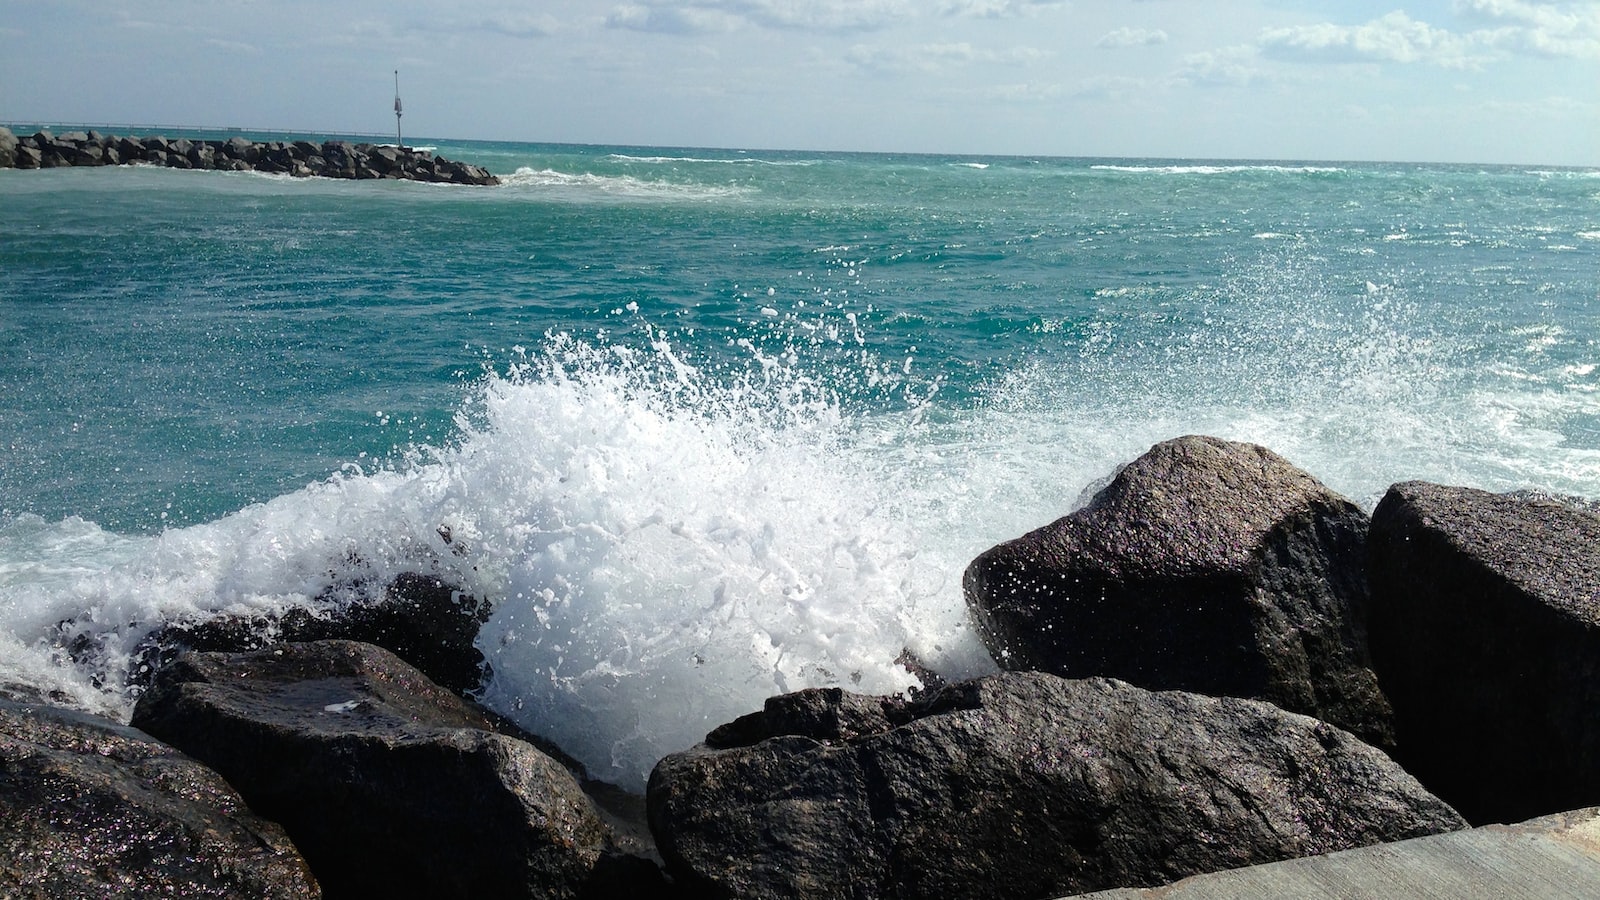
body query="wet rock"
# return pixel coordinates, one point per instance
(1486, 633)
(96, 809)
(1205, 565)
(8, 148)
(429, 623)
(389, 784)
(1020, 785)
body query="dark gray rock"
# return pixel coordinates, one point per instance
(83, 154)
(238, 148)
(90, 808)
(1020, 785)
(422, 619)
(1205, 565)
(383, 159)
(1486, 633)
(334, 159)
(389, 784)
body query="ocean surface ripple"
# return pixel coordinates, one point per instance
(710, 425)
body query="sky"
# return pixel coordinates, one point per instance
(1480, 81)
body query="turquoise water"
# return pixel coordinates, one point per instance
(709, 425)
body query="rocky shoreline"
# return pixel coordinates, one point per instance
(1216, 663)
(300, 159)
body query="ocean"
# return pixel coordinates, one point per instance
(711, 425)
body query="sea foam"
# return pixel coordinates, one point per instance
(664, 549)
(669, 536)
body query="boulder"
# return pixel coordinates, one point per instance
(1205, 565)
(238, 148)
(429, 623)
(85, 154)
(389, 784)
(383, 159)
(97, 809)
(1019, 785)
(8, 148)
(1486, 633)
(29, 158)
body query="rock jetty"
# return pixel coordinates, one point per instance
(301, 159)
(1217, 663)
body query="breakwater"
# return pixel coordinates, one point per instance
(302, 159)
(1116, 755)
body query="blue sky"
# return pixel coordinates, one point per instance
(1513, 81)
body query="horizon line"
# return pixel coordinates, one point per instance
(239, 129)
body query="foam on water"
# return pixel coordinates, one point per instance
(1217, 169)
(675, 525)
(618, 186)
(741, 160)
(668, 540)
(665, 550)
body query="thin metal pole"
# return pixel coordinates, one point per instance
(397, 141)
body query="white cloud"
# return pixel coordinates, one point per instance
(999, 9)
(522, 25)
(1540, 29)
(1132, 37)
(672, 20)
(935, 57)
(1016, 93)
(700, 16)
(234, 46)
(1110, 87)
(1232, 66)
(1395, 37)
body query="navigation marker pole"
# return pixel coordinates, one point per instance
(397, 142)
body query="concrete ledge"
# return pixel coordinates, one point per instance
(1553, 856)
